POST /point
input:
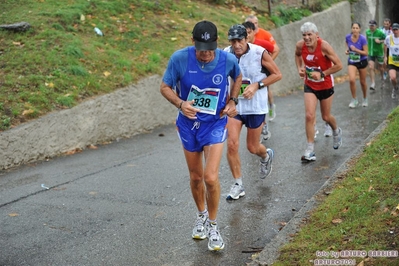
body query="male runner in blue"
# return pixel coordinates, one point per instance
(196, 81)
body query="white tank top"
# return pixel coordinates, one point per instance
(251, 66)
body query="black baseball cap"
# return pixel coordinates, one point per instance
(395, 26)
(237, 31)
(372, 23)
(205, 35)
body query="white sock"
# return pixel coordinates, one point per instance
(238, 181)
(311, 146)
(205, 213)
(265, 159)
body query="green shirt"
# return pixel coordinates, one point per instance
(375, 49)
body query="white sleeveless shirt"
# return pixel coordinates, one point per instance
(251, 66)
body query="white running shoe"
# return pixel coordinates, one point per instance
(365, 102)
(266, 167)
(337, 139)
(236, 192)
(215, 242)
(266, 132)
(327, 130)
(199, 231)
(316, 131)
(308, 156)
(353, 103)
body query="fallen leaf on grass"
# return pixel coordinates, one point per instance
(395, 211)
(371, 188)
(51, 85)
(27, 112)
(106, 73)
(18, 43)
(337, 221)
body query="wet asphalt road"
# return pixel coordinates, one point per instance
(129, 202)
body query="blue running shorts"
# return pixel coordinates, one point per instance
(251, 121)
(194, 135)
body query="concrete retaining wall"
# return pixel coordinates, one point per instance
(140, 108)
(333, 25)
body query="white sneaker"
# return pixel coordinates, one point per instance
(308, 156)
(266, 132)
(365, 102)
(316, 131)
(266, 167)
(199, 230)
(215, 242)
(353, 103)
(327, 130)
(337, 142)
(236, 192)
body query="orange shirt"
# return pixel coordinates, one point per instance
(265, 35)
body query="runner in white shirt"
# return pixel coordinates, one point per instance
(258, 72)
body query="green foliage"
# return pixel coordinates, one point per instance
(65, 100)
(283, 15)
(78, 70)
(5, 122)
(74, 51)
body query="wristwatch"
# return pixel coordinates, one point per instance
(261, 85)
(322, 75)
(235, 100)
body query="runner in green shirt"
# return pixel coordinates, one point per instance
(375, 43)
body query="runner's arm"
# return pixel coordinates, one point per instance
(329, 52)
(298, 59)
(274, 72)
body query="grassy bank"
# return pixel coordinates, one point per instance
(61, 61)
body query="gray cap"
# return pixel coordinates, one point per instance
(237, 31)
